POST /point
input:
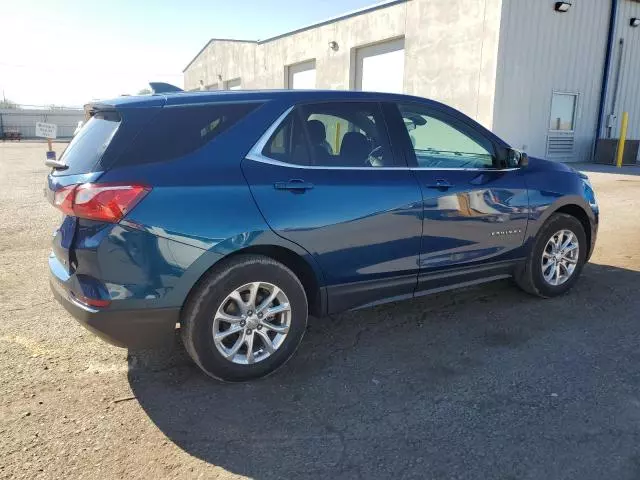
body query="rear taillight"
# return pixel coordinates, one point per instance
(92, 302)
(63, 199)
(99, 201)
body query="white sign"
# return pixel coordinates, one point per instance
(46, 130)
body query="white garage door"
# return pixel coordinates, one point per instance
(380, 67)
(302, 75)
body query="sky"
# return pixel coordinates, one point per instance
(69, 52)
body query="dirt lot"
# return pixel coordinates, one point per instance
(484, 383)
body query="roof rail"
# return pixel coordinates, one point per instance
(161, 87)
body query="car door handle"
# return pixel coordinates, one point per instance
(295, 185)
(440, 184)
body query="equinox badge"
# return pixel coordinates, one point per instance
(506, 232)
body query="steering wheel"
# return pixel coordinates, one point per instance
(375, 154)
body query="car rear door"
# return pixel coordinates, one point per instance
(475, 208)
(325, 177)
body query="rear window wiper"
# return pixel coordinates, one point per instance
(56, 164)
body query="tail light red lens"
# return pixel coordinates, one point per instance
(92, 302)
(63, 199)
(99, 201)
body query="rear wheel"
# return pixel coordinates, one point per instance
(556, 259)
(246, 319)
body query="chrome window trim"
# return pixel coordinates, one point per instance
(468, 169)
(255, 154)
(256, 150)
(262, 159)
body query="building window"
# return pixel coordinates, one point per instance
(234, 84)
(563, 111)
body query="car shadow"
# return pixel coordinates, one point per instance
(633, 170)
(483, 383)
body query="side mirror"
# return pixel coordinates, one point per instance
(524, 160)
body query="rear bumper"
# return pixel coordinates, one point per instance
(134, 329)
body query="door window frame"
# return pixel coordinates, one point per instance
(256, 152)
(466, 126)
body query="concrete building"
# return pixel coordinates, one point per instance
(549, 77)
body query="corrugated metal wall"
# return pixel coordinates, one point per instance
(542, 51)
(24, 120)
(628, 97)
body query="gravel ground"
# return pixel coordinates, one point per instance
(482, 383)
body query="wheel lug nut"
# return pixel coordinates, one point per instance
(249, 332)
(259, 327)
(243, 323)
(260, 315)
(250, 312)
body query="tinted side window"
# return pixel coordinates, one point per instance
(440, 142)
(288, 143)
(178, 131)
(347, 134)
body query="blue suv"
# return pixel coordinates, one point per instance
(236, 214)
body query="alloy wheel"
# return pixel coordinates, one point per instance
(251, 323)
(560, 257)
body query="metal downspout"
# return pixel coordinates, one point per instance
(606, 71)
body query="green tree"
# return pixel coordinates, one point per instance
(144, 91)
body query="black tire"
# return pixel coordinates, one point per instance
(530, 277)
(198, 316)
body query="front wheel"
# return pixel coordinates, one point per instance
(246, 319)
(556, 259)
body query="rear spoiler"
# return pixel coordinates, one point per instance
(90, 109)
(115, 105)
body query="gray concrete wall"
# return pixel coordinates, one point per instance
(262, 65)
(224, 58)
(542, 51)
(24, 120)
(450, 52)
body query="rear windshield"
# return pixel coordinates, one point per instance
(87, 147)
(177, 131)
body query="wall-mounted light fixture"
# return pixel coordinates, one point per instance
(562, 6)
(634, 22)
(333, 45)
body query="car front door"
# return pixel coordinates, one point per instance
(327, 179)
(475, 205)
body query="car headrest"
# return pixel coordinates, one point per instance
(354, 149)
(317, 131)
